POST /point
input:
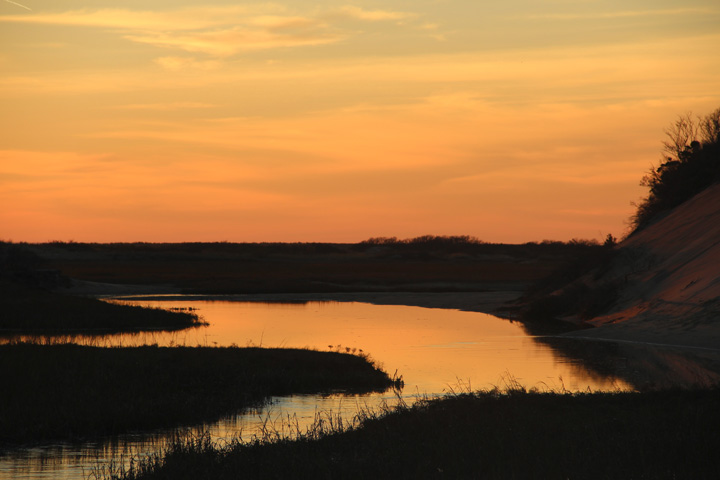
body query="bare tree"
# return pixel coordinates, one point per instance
(691, 163)
(710, 127)
(680, 136)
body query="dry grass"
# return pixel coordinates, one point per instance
(490, 434)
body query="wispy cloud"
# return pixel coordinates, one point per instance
(169, 20)
(166, 106)
(358, 13)
(624, 14)
(19, 5)
(220, 31)
(226, 42)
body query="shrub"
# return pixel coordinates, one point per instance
(691, 164)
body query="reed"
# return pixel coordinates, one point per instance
(28, 310)
(488, 434)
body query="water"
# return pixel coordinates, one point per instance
(435, 350)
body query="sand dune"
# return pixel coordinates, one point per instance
(670, 279)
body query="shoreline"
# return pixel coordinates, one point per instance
(649, 359)
(488, 301)
(498, 302)
(481, 302)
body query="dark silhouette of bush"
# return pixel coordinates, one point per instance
(16, 259)
(565, 292)
(692, 163)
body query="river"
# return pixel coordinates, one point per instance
(437, 351)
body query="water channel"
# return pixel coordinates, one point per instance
(435, 350)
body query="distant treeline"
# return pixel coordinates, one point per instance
(426, 243)
(470, 244)
(425, 240)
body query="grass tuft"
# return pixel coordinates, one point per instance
(493, 434)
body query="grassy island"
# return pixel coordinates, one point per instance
(71, 392)
(29, 310)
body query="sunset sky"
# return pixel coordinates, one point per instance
(332, 121)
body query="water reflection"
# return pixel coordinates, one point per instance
(436, 351)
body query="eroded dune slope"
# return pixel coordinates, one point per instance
(669, 278)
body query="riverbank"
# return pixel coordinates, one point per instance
(440, 272)
(500, 302)
(29, 310)
(71, 392)
(644, 364)
(492, 302)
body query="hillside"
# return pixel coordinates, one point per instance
(668, 279)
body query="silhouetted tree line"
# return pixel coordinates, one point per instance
(565, 293)
(185, 248)
(425, 240)
(466, 244)
(455, 240)
(383, 246)
(691, 164)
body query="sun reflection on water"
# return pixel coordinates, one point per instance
(437, 351)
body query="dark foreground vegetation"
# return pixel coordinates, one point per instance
(691, 164)
(29, 310)
(488, 435)
(561, 294)
(71, 392)
(31, 305)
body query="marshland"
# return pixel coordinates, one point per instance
(436, 387)
(605, 365)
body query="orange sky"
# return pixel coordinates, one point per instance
(177, 120)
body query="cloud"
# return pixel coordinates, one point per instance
(219, 31)
(358, 13)
(624, 14)
(230, 41)
(166, 106)
(19, 5)
(170, 20)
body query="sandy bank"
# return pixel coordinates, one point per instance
(669, 279)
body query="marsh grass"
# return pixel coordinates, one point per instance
(492, 434)
(28, 310)
(72, 392)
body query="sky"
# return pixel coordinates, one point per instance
(298, 121)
